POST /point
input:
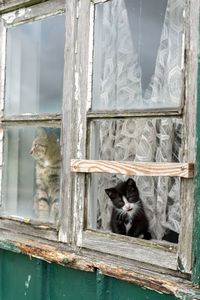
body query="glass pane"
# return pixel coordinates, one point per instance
(34, 73)
(31, 173)
(138, 54)
(145, 140)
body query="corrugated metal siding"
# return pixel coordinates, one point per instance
(27, 278)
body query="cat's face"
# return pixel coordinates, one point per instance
(39, 145)
(124, 195)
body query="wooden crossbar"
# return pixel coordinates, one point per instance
(185, 170)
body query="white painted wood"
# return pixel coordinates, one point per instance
(100, 1)
(40, 11)
(78, 138)
(189, 121)
(68, 95)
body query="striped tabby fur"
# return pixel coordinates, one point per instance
(46, 150)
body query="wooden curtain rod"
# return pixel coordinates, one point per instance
(185, 170)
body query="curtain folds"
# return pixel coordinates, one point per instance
(138, 59)
(145, 140)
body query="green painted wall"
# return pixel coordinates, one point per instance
(33, 279)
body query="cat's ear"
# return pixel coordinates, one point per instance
(42, 132)
(110, 192)
(131, 182)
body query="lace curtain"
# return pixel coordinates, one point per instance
(138, 54)
(145, 140)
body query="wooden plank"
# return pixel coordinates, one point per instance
(185, 170)
(31, 228)
(31, 117)
(142, 253)
(128, 114)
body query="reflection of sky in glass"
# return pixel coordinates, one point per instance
(35, 60)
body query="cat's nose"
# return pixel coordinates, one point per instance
(128, 207)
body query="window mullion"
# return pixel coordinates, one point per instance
(67, 121)
(189, 121)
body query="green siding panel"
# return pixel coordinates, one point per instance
(32, 279)
(115, 289)
(19, 277)
(66, 283)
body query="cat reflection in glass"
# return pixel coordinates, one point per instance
(128, 216)
(46, 151)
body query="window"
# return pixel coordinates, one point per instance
(37, 46)
(32, 70)
(32, 169)
(103, 87)
(137, 111)
(138, 55)
(34, 82)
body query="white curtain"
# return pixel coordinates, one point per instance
(145, 140)
(123, 28)
(119, 44)
(120, 70)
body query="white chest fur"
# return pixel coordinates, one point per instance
(131, 209)
(128, 226)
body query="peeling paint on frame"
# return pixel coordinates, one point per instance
(10, 17)
(91, 49)
(24, 15)
(12, 22)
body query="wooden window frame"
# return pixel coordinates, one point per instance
(72, 245)
(113, 245)
(20, 16)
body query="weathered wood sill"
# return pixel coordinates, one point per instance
(88, 261)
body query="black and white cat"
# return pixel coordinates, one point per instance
(128, 215)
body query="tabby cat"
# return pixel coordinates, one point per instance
(46, 150)
(128, 216)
